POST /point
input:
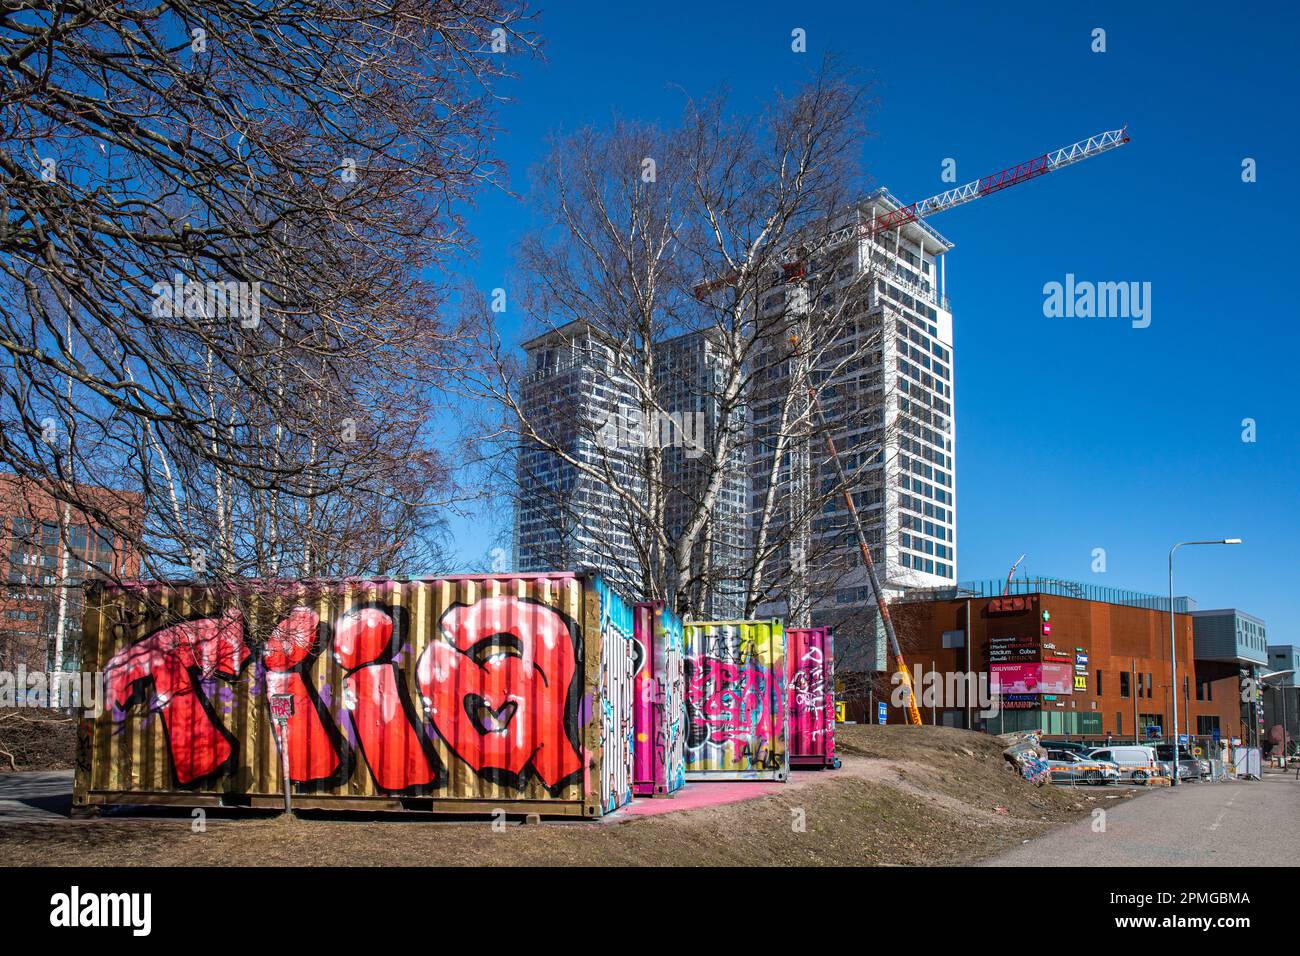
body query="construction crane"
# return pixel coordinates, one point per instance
(897, 218)
(1011, 176)
(794, 266)
(923, 209)
(1010, 574)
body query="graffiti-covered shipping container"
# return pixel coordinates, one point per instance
(659, 751)
(459, 694)
(735, 700)
(810, 656)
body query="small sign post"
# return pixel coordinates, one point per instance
(281, 711)
(882, 712)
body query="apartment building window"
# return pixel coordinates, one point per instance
(1098, 683)
(1123, 683)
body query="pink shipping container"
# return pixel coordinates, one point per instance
(810, 654)
(659, 747)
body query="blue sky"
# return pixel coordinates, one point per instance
(1072, 434)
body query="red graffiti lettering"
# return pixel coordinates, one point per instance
(172, 657)
(497, 688)
(393, 748)
(312, 755)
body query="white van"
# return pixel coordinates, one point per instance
(1135, 762)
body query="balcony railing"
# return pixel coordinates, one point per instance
(993, 587)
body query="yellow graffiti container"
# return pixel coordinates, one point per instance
(736, 722)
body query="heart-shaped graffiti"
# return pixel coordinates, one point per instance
(498, 687)
(485, 718)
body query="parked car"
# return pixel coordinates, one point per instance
(1135, 763)
(1073, 746)
(1189, 768)
(1066, 765)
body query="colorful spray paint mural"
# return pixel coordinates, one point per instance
(620, 662)
(811, 655)
(660, 706)
(449, 692)
(735, 700)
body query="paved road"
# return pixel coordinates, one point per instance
(38, 795)
(1234, 823)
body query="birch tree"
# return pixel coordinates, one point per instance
(649, 233)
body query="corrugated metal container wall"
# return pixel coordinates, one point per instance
(810, 652)
(735, 700)
(660, 747)
(461, 694)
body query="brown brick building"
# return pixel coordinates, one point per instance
(41, 543)
(1094, 665)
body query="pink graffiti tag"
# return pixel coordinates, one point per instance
(198, 744)
(726, 702)
(497, 688)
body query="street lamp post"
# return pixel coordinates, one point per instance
(1173, 652)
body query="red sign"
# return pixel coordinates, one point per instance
(1009, 605)
(1014, 678)
(1057, 679)
(1031, 678)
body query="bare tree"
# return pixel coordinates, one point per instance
(652, 240)
(214, 221)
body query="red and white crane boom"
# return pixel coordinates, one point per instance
(1011, 176)
(1030, 168)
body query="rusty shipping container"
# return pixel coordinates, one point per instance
(735, 700)
(659, 751)
(810, 653)
(457, 694)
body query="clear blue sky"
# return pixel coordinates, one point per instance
(1072, 434)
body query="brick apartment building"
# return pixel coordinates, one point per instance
(39, 546)
(1067, 659)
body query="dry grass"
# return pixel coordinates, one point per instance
(905, 796)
